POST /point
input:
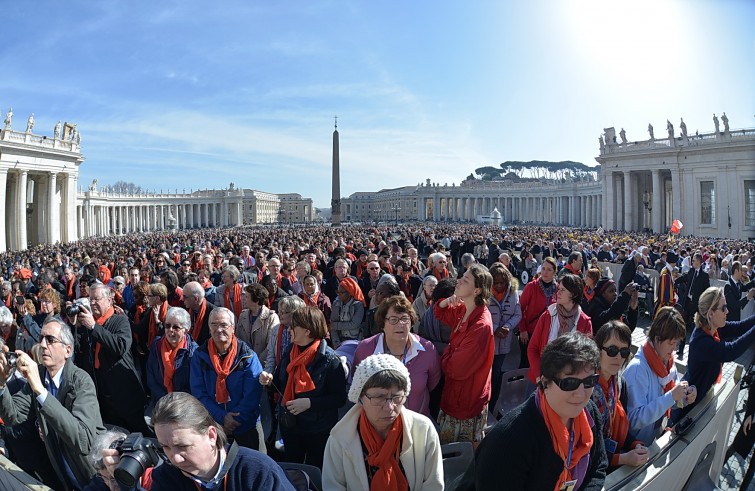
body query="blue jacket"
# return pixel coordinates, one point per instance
(509, 313)
(243, 386)
(706, 355)
(180, 375)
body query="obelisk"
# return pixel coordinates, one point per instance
(335, 202)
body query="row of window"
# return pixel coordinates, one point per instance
(708, 201)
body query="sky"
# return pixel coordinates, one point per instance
(194, 95)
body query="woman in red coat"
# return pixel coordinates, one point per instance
(467, 361)
(564, 316)
(536, 297)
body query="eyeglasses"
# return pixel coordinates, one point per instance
(50, 339)
(379, 401)
(220, 327)
(394, 320)
(174, 327)
(570, 384)
(615, 350)
(373, 269)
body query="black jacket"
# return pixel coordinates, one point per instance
(329, 395)
(627, 273)
(518, 454)
(600, 312)
(733, 292)
(695, 285)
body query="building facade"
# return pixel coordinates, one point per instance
(707, 181)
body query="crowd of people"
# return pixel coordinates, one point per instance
(359, 351)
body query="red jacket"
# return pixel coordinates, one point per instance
(467, 361)
(539, 338)
(533, 303)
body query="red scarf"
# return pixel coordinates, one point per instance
(168, 356)
(140, 309)
(279, 280)
(9, 300)
(70, 289)
(658, 368)
(583, 437)
(101, 321)
(236, 307)
(440, 274)
(152, 333)
(499, 296)
(716, 337)
(199, 321)
(299, 379)
(222, 369)
(384, 454)
(361, 269)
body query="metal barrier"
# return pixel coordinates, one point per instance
(12, 478)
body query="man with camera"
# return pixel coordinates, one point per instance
(104, 351)
(62, 399)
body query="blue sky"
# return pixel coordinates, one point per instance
(183, 94)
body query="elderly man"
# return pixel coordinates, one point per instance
(104, 344)
(199, 309)
(62, 399)
(505, 259)
(573, 265)
(368, 283)
(225, 378)
(71, 284)
(423, 300)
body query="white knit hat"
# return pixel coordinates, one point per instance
(372, 365)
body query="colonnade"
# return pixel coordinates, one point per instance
(578, 211)
(99, 217)
(36, 207)
(642, 199)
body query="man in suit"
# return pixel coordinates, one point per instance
(695, 282)
(733, 291)
(62, 399)
(629, 270)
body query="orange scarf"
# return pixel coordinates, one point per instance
(583, 437)
(717, 338)
(299, 379)
(351, 286)
(499, 296)
(199, 321)
(441, 274)
(384, 454)
(101, 321)
(140, 309)
(236, 307)
(310, 301)
(618, 424)
(153, 323)
(168, 355)
(658, 368)
(222, 369)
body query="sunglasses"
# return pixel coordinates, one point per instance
(570, 384)
(615, 350)
(50, 339)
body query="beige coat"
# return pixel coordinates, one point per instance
(256, 336)
(421, 458)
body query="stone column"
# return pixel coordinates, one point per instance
(3, 184)
(608, 201)
(53, 207)
(628, 215)
(655, 215)
(21, 210)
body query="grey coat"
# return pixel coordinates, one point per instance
(73, 416)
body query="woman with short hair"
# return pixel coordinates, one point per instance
(169, 360)
(614, 340)
(564, 316)
(313, 385)
(380, 445)
(31, 327)
(256, 321)
(396, 316)
(200, 457)
(553, 440)
(229, 294)
(651, 376)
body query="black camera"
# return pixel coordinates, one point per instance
(11, 358)
(74, 309)
(137, 455)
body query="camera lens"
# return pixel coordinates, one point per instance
(130, 469)
(12, 358)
